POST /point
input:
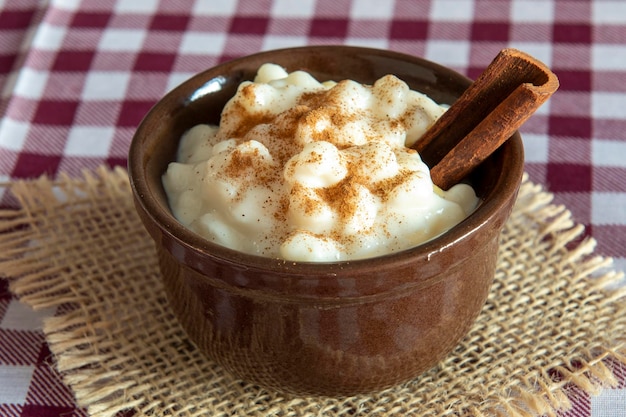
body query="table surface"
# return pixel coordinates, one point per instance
(76, 77)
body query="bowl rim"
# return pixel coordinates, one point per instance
(504, 189)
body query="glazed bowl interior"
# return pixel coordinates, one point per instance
(201, 99)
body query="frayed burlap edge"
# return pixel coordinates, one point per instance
(554, 318)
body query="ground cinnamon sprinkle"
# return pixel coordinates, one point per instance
(283, 208)
(343, 197)
(327, 106)
(283, 129)
(337, 193)
(313, 99)
(240, 162)
(340, 119)
(312, 109)
(308, 205)
(279, 138)
(247, 120)
(384, 187)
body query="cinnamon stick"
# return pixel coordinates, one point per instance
(501, 99)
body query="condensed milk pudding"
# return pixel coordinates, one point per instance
(314, 171)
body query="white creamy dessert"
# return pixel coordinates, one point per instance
(314, 172)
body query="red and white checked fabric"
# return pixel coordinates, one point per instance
(77, 76)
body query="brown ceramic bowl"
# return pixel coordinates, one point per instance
(321, 328)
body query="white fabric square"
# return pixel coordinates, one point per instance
(532, 11)
(137, 6)
(66, 4)
(203, 43)
(177, 78)
(619, 264)
(608, 12)
(16, 391)
(19, 316)
(452, 10)
(93, 141)
(48, 37)
(609, 403)
(278, 42)
(452, 53)
(372, 9)
(214, 8)
(540, 50)
(105, 85)
(608, 57)
(290, 8)
(31, 83)
(121, 40)
(12, 134)
(608, 153)
(608, 208)
(535, 148)
(606, 105)
(544, 109)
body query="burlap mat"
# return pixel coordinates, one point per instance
(552, 319)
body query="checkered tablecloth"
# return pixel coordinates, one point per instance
(76, 77)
